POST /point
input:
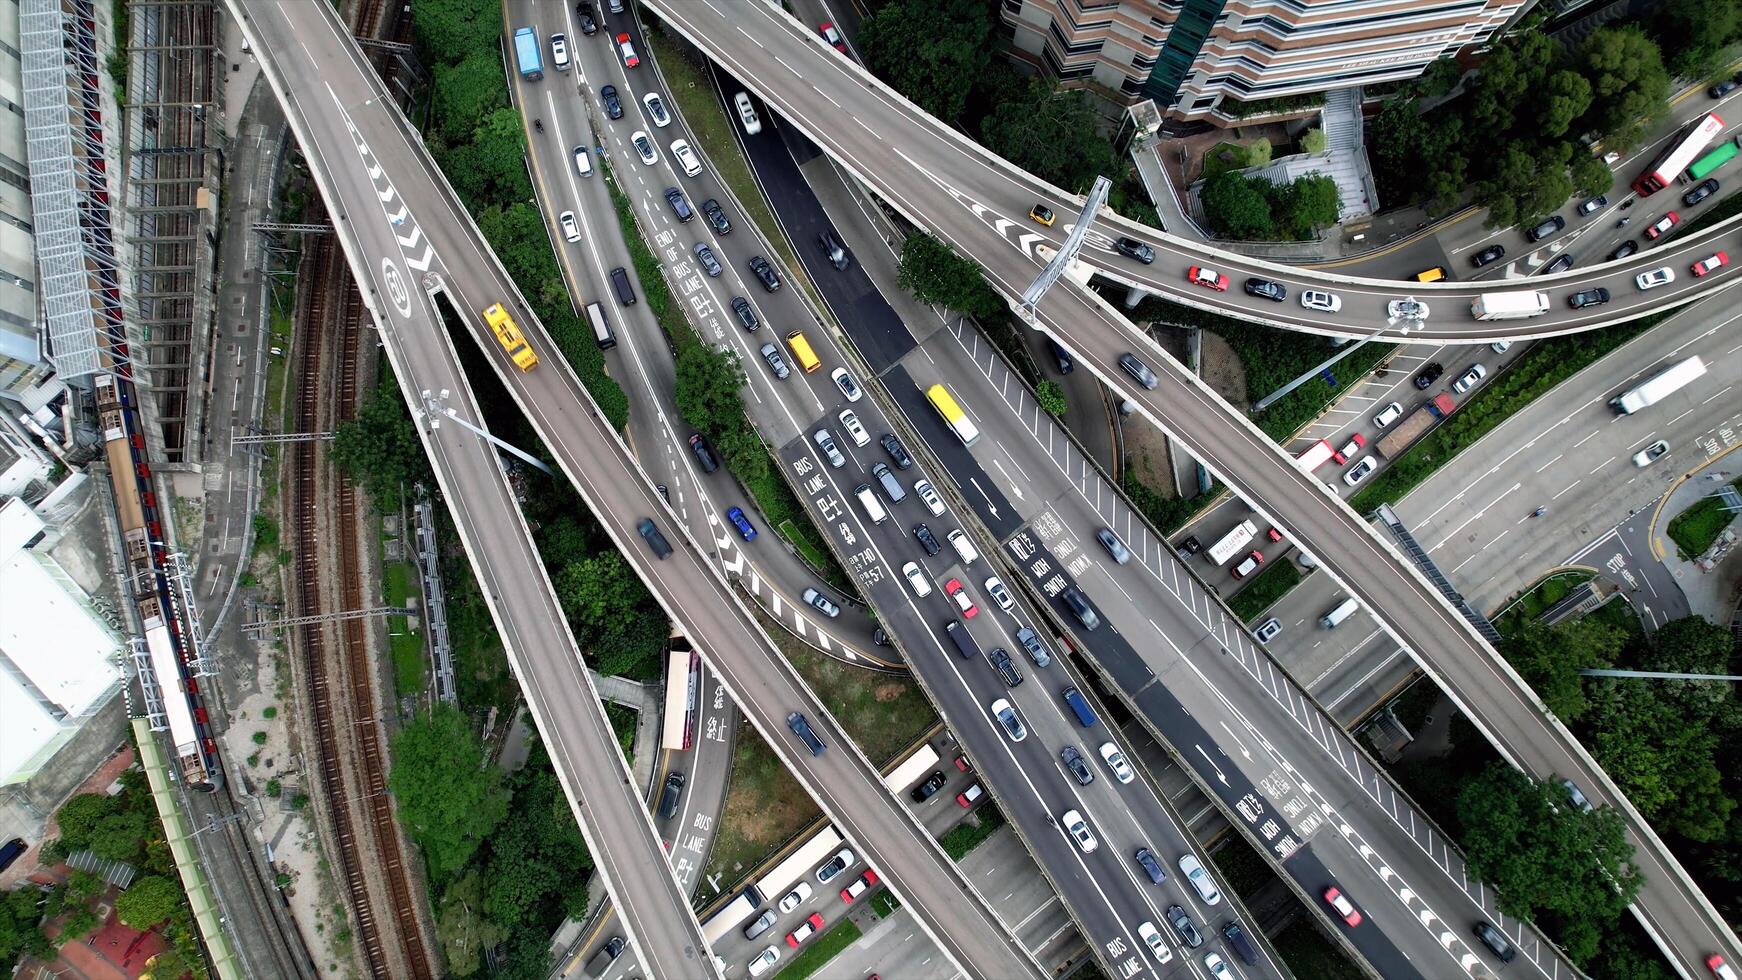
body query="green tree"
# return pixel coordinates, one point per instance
(450, 800)
(708, 382)
(1051, 396)
(449, 30)
(612, 611)
(1313, 141)
(1629, 86)
(1694, 33)
(1305, 204)
(933, 272)
(1545, 855)
(1236, 207)
(1528, 181)
(518, 877)
(20, 933)
(78, 923)
(1549, 659)
(492, 167)
(148, 901)
(79, 817)
(929, 50)
(1257, 153)
(1052, 134)
(1591, 176)
(1565, 97)
(379, 448)
(461, 926)
(464, 92)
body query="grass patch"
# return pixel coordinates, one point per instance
(1412, 706)
(1270, 585)
(1620, 615)
(404, 643)
(882, 713)
(1166, 514)
(693, 91)
(1540, 369)
(1539, 599)
(964, 837)
(623, 726)
(1309, 955)
(1696, 529)
(884, 904)
(821, 950)
(765, 807)
(1215, 164)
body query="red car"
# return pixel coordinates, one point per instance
(1711, 263)
(1274, 534)
(859, 887)
(1197, 275)
(968, 797)
(1337, 900)
(1664, 224)
(953, 588)
(827, 30)
(1356, 441)
(963, 763)
(805, 931)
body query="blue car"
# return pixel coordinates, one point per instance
(742, 523)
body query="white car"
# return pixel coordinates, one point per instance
(916, 579)
(1406, 309)
(849, 388)
(1500, 346)
(1217, 966)
(1388, 415)
(833, 867)
(1653, 278)
(1469, 379)
(793, 899)
(656, 109)
(571, 231)
(747, 114)
(559, 52)
(1651, 453)
(583, 162)
(644, 147)
(964, 602)
(1157, 948)
(929, 495)
(1000, 595)
(1078, 828)
(1359, 471)
(1009, 719)
(826, 443)
(1200, 879)
(764, 960)
(1116, 763)
(855, 431)
(1318, 299)
(686, 157)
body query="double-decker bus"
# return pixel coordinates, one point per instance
(952, 413)
(1681, 152)
(682, 671)
(1703, 167)
(509, 336)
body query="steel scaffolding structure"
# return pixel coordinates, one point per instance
(174, 168)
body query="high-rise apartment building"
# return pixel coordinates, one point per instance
(1191, 56)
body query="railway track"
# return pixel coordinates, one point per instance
(364, 826)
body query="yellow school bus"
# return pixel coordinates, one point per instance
(508, 335)
(801, 349)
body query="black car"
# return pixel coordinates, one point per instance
(613, 105)
(584, 14)
(679, 206)
(1552, 226)
(926, 539)
(1429, 375)
(704, 453)
(716, 216)
(673, 792)
(1182, 924)
(1723, 88)
(1266, 289)
(1131, 248)
(762, 270)
(896, 451)
(1595, 296)
(1561, 264)
(655, 540)
(1066, 365)
(1006, 669)
(1496, 941)
(1593, 205)
(1138, 371)
(1492, 253)
(879, 637)
(1700, 191)
(1191, 546)
(1073, 761)
(924, 791)
(1150, 865)
(1623, 250)
(746, 315)
(834, 251)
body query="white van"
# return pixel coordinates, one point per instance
(1335, 617)
(868, 500)
(964, 547)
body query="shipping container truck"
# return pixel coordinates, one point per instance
(1515, 305)
(1658, 387)
(526, 54)
(1413, 427)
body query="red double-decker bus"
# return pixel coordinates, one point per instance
(1678, 156)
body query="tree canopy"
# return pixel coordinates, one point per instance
(932, 271)
(449, 800)
(465, 932)
(379, 448)
(1549, 659)
(931, 51)
(613, 612)
(1052, 134)
(148, 901)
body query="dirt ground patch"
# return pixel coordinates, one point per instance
(765, 806)
(1222, 370)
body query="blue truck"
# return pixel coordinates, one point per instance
(526, 54)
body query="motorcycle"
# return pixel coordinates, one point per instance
(538, 124)
(1623, 222)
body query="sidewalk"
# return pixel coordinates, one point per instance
(1710, 594)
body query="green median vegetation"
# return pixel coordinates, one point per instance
(821, 950)
(1696, 529)
(1535, 373)
(964, 837)
(1261, 593)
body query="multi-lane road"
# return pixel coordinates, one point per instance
(939, 180)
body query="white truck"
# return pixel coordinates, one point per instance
(1658, 387)
(1232, 542)
(1514, 305)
